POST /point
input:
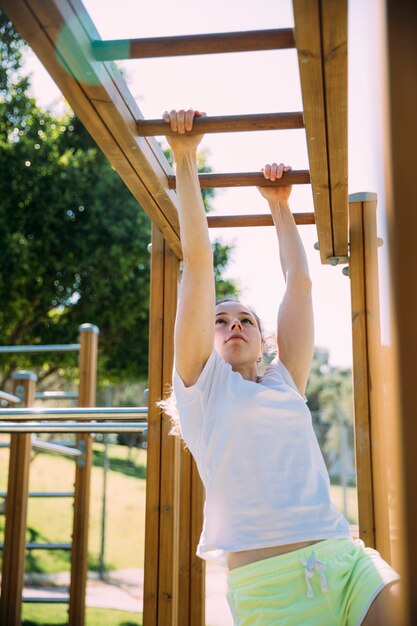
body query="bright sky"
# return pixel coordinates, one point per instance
(255, 82)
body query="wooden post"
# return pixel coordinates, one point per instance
(399, 141)
(14, 552)
(371, 428)
(79, 552)
(162, 489)
(362, 417)
(174, 577)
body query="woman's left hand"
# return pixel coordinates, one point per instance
(273, 172)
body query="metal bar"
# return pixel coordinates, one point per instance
(227, 221)
(79, 413)
(9, 397)
(66, 427)
(39, 600)
(247, 179)
(44, 494)
(46, 395)
(44, 546)
(48, 546)
(226, 124)
(212, 43)
(70, 347)
(54, 447)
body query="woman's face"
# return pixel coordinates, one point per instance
(237, 337)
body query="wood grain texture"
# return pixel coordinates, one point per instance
(170, 468)
(362, 421)
(14, 551)
(153, 474)
(79, 550)
(211, 43)
(226, 124)
(238, 221)
(378, 433)
(334, 21)
(247, 179)
(307, 33)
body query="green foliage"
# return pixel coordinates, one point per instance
(57, 615)
(329, 393)
(73, 238)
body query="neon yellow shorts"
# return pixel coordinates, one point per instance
(330, 583)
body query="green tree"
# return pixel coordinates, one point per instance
(329, 393)
(73, 239)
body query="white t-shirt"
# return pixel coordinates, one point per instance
(258, 457)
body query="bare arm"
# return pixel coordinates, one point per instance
(194, 326)
(295, 316)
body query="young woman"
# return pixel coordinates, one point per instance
(268, 516)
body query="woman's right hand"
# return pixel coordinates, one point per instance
(182, 121)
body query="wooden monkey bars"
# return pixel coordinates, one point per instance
(63, 36)
(65, 39)
(227, 124)
(213, 43)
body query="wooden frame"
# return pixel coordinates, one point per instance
(321, 40)
(370, 433)
(14, 551)
(79, 551)
(400, 138)
(212, 43)
(65, 39)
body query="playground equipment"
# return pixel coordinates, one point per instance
(63, 36)
(22, 424)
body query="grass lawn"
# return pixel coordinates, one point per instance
(57, 615)
(50, 519)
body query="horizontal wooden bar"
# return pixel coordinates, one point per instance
(226, 124)
(211, 43)
(247, 179)
(235, 221)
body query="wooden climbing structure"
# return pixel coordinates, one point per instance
(65, 39)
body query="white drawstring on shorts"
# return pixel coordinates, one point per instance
(314, 564)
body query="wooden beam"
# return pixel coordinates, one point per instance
(227, 124)
(212, 43)
(153, 473)
(379, 430)
(14, 551)
(79, 550)
(321, 38)
(61, 33)
(361, 382)
(371, 424)
(334, 21)
(236, 221)
(169, 590)
(399, 140)
(247, 179)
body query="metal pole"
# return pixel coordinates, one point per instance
(102, 565)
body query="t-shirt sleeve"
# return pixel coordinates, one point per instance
(192, 401)
(277, 369)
